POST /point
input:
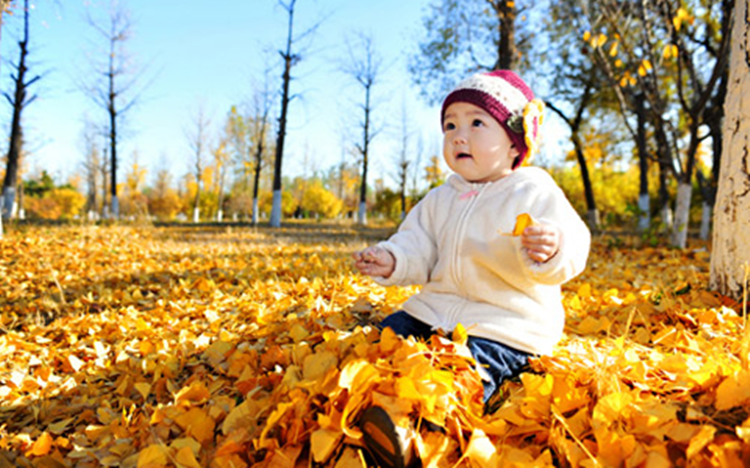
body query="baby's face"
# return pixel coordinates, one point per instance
(475, 145)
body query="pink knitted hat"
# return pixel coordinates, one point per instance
(506, 97)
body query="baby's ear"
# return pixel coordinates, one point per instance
(513, 152)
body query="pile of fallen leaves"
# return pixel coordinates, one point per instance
(125, 346)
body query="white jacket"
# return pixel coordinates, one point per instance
(451, 243)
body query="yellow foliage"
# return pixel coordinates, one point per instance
(59, 203)
(318, 199)
(231, 347)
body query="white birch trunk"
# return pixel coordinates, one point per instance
(219, 216)
(276, 209)
(644, 208)
(706, 213)
(196, 215)
(9, 203)
(666, 218)
(362, 213)
(255, 211)
(730, 255)
(593, 219)
(115, 207)
(682, 215)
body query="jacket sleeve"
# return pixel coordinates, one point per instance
(413, 246)
(553, 208)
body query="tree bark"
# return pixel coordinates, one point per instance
(644, 198)
(289, 61)
(730, 257)
(506, 53)
(19, 101)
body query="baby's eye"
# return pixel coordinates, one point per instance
(477, 123)
(448, 126)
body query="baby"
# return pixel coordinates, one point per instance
(504, 290)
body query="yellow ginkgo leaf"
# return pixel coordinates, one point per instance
(41, 446)
(460, 335)
(601, 40)
(186, 457)
(523, 221)
(613, 49)
(587, 36)
(154, 455)
(323, 443)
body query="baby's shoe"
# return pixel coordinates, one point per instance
(391, 445)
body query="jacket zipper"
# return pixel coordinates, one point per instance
(459, 235)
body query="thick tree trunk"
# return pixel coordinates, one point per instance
(730, 254)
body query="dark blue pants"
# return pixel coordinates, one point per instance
(501, 361)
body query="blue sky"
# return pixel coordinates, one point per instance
(197, 52)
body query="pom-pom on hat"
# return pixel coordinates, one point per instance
(507, 98)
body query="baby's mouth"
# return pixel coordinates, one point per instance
(463, 156)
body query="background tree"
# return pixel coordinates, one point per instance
(4, 6)
(113, 83)
(364, 65)
(91, 166)
(577, 92)
(197, 138)
(163, 201)
(134, 202)
(730, 256)
(19, 100)
(404, 162)
(260, 129)
(290, 59)
(664, 49)
(221, 163)
(466, 36)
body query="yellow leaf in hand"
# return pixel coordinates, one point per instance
(523, 221)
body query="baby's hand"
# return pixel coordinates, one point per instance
(541, 241)
(375, 261)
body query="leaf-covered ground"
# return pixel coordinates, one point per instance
(232, 347)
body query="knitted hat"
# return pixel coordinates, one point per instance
(505, 96)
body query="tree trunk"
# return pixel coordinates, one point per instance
(664, 208)
(365, 161)
(588, 189)
(644, 199)
(506, 53)
(682, 214)
(19, 101)
(730, 253)
(289, 61)
(113, 112)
